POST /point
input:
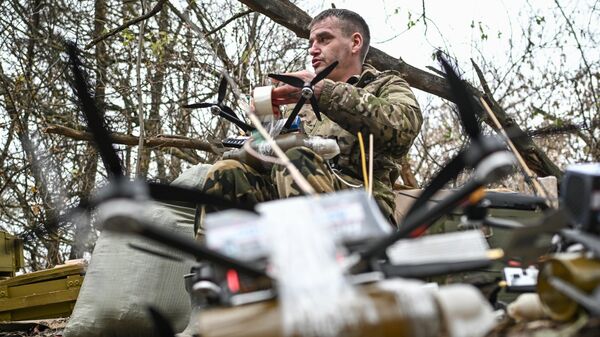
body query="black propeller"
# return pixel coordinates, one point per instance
(220, 109)
(465, 102)
(111, 160)
(466, 110)
(92, 115)
(307, 91)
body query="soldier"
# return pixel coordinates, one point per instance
(354, 98)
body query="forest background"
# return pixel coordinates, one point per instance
(535, 62)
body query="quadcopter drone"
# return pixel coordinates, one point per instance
(219, 108)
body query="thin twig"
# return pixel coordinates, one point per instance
(131, 22)
(237, 16)
(371, 160)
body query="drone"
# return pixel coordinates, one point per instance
(307, 92)
(220, 109)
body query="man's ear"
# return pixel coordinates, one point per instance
(357, 42)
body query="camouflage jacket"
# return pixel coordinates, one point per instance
(378, 103)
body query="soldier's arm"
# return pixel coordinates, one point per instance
(393, 115)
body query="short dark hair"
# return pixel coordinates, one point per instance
(351, 23)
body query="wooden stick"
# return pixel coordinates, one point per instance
(119, 138)
(371, 160)
(536, 185)
(363, 161)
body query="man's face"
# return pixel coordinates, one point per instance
(328, 44)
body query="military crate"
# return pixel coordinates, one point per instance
(43, 294)
(11, 255)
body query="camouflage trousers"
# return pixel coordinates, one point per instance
(239, 182)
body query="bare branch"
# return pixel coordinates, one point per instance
(237, 16)
(119, 138)
(131, 22)
(297, 20)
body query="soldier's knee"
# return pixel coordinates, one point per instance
(224, 169)
(299, 153)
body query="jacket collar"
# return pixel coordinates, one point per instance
(368, 74)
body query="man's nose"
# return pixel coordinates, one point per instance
(314, 51)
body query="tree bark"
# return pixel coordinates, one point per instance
(151, 142)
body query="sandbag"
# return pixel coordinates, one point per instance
(122, 281)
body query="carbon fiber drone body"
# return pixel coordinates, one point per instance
(419, 217)
(307, 91)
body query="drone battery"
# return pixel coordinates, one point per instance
(581, 196)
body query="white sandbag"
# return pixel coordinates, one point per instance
(193, 177)
(121, 281)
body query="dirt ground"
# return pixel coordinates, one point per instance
(41, 328)
(542, 328)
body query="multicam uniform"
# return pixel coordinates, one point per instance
(378, 103)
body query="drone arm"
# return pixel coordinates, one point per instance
(386, 108)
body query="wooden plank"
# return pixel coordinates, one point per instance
(47, 274)
(38, 299)
(45, 287)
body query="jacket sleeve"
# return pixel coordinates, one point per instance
(392, 114)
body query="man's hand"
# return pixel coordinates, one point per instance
(287, 94)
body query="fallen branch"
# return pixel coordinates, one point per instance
(153, 142)
(131, 22)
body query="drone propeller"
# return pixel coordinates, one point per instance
(466, 112)
(177, 193)
(220, 109)
(307, 91)
(463, 100)
(95, 123)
